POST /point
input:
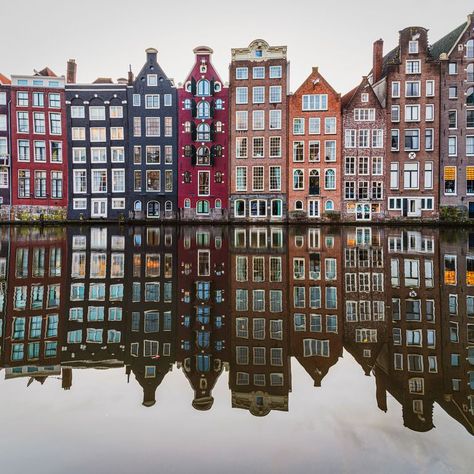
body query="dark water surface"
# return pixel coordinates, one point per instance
(236, 349)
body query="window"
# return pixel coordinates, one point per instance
(412, 139)
(429, 112)
(152, 126)
(258, 147)
(330, 125)
(152, 80)
(412, 89)
(315, 102)
(452, 92)
(275, 178)
(330, 179)
(258, 178)
(413, 47)
(449, 180)
(412, 113)
(470, 145)
(413, 66)
(452, 146)
(410, 176)
(275, 119)
(241, 73)
(241, 118)
(258, 120)
(275, 94)
(258, 95)
(298, 151)
(204, 183)
(241, 95)
(275, 72)
(258, 72)
(275, 147)
(330, 150)
(298, 180)
(152, 101)
(395, 89)
(452, 69)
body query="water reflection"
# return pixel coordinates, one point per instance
(245, 300)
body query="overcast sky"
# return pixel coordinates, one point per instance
(105, 36)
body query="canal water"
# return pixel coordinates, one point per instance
(236, 349)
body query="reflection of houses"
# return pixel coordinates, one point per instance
(4, 261)
(364, 293)
(95, 319)
(260, 377)
(202, 309)
(457, 310)
(315, 314)
(203, 155)
(35, 302)
(411, 367)
(151, 306)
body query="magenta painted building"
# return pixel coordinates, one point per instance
(202, 142)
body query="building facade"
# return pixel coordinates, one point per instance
(363, 161)
(456, 54)
(410, 76)
(203, 176)
(152, 182)
(314, 164)
(39, 165)
(98, 155)
(258, 136)
(5, 157)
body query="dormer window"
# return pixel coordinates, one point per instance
(152, 80)
(413, 47)
(258, 53)
(203, 88)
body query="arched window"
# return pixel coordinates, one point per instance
(202, 207)
(218, 150)
(203, 87)
(298, 205)
(219, 104)
(298, 179)
(329, 206)
(187, 177)
(330, 179)
(239, 208)
(153, 209)
(218, 204)
(187, 203)
(137, 206)
(203, 156)
(470, 96)
(168, 206)
(470, 72)
(203, 132)
(218, 177)
(470, 49)
(187, 127)
(187, 104)
(203, 109)
(218, 126)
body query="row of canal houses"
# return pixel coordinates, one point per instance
(398, 145)
(245, 300)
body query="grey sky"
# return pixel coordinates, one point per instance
(105, 36)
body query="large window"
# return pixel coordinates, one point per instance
(315, 102)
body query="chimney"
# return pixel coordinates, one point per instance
(377, 61)
(66, 378)
(71, 71)
(130, 75)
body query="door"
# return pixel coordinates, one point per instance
(314, 183)
(471, 210)
(313, 208)
(414, 208)
(99, 208)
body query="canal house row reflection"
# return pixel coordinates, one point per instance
(245, 300)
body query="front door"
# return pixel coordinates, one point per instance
(99, 208)
(313, 208)
(414, 208)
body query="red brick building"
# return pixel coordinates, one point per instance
(409, 78)
(39, 140)
(314, 171)
(258, 132)
(363, 161)
(203, 177)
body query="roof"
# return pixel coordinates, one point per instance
(103, 80)
(445, 44)
(346, 98)
(45, 72)
(390, 58)
(4, 79)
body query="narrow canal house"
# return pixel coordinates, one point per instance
(94, 316)
(456, 54)
(315, 299)
(152, 167)
(151, 306)
(363, 155)
(39, 165)
(203, 176)
(408, 78)
(314, 164)
(5, 155)
(98, 155)
(260, 369)
(203, 339)
(258, 132)
(36, 301)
